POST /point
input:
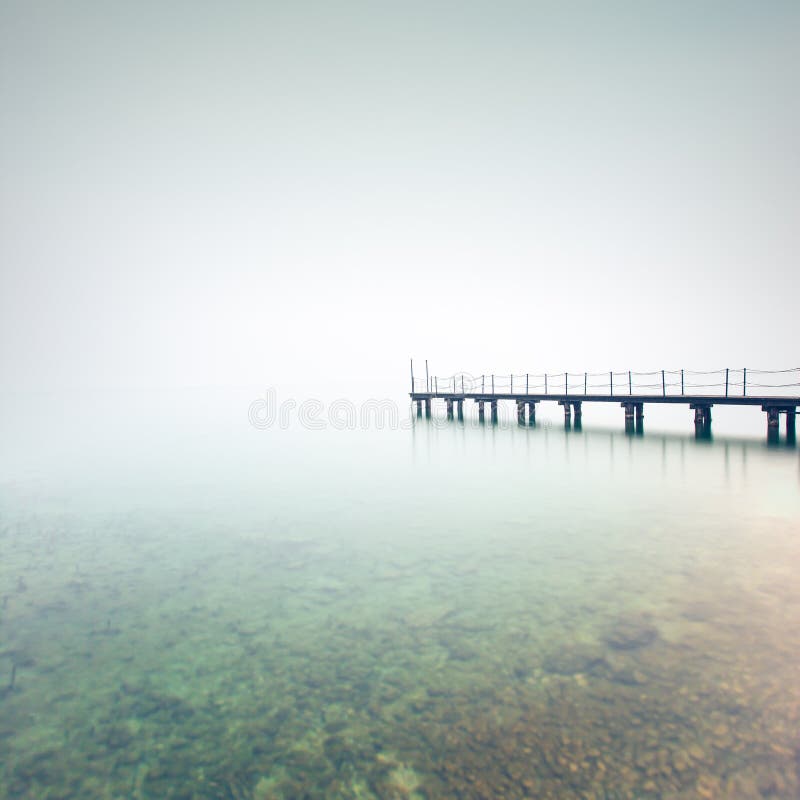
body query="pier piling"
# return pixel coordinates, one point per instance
(567, 413)
(702, 420)
(639, 410)
(773, 425)
(578, 414)
(791, 431)
(629, 412)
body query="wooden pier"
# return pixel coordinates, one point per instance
(766, 389)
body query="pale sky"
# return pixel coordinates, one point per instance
(198, 193)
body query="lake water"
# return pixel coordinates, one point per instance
(438, 611)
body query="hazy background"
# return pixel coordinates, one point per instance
(304, 195)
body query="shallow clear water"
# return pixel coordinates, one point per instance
(442, 611)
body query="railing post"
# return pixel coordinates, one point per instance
(566, 384)
(526, 384)
(462, 383)
(512, 383)
(427, 379)
(611, 382)
(663, 384)
(630, 385)
(412, 375)
(436, 381)
(681, 383)
(545, 383)
(726, 382)
(492, 384)
(744, 383)
(483, 384)
(585, 376)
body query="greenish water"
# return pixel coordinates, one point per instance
(441, 612)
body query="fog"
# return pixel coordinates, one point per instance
(304, 196)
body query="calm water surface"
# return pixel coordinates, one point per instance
(441, 612)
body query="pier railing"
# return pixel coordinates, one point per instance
(728, 382)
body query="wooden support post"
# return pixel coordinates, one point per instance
(481, 414)
(460, 404)
(576, 407)
(521, 412)
(567, 413)
(773, 422)
(702, 421)
(639, 410)
(532, 412)
(449, 404)
(494, 412)
(629, 425)
(428, 407)
(419, 408)
(791, 427)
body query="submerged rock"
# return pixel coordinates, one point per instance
(574, 659)
(631, 633)
(628, 677)
(428, 616)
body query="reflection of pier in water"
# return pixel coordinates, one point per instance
(672, 448)
(649, 387)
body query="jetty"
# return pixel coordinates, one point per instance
(776, 392)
